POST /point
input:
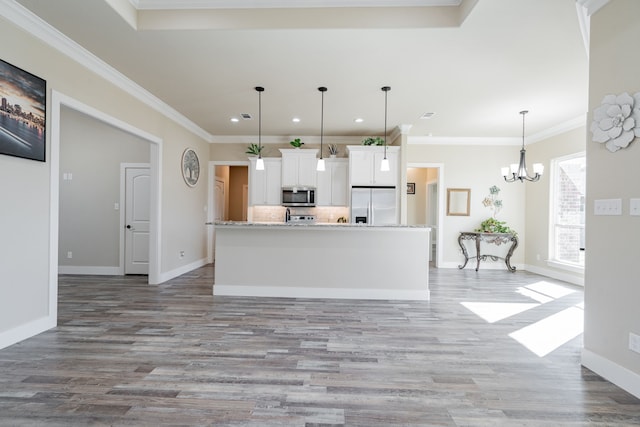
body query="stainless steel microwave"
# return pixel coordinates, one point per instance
(298, 196)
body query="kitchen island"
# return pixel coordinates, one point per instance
(349, 261)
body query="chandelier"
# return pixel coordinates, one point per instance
(518, 171)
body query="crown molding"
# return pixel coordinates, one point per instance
(34, 25)
(592, 6)
(284, 4)
(501, 141)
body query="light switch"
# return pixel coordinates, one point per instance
(608, 207)
(634, 207)
(116, 206)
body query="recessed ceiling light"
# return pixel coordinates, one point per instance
(358, 120)
(296, 120)
(427, 115)
(235, 119)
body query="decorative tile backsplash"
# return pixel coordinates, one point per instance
(323, 214)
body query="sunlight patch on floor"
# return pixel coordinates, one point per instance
(541, 298)
(495, 311)
(550, 333)
(550, 289)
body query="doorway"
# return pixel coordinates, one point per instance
(425, 204)
(136, 218)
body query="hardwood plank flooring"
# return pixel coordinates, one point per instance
(126, 353)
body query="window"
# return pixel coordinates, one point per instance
(567, 210)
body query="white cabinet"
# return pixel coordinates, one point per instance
(299, 167)
(265, 186)
(364, 165)
(333, 183)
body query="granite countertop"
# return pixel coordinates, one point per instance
(303, 225)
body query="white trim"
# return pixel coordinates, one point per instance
(163, 277)
(559, 129)
(569, 278)
(286, 4)
(90, 270)
(441, 207)
(592, 6)
(155, 163)
(611, 371)
(484, 265)
(27, 330)
(565, 266)
(330, 293)
(34, 25)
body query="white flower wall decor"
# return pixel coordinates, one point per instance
(616, 122)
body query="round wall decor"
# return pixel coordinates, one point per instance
(190, 167)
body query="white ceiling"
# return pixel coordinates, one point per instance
(475, 65)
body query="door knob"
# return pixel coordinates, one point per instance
(128, 226)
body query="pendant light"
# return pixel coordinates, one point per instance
(320, 166)
(384, 165)
(518, 171)
(260, 161)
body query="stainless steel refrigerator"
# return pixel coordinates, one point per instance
(374, 205)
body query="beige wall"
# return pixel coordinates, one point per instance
(612, 289)
(537, 201)
(89, 224)
(476, 168)
(25, 227)
(417, 203)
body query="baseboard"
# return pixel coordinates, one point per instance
(25, 331)
(90, 270)
(554, 274)
(181, 270)
(484, 265)
(333, 293)
(618, 375)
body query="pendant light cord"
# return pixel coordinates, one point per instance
(322, 90)
(386, 90)
(259, 89)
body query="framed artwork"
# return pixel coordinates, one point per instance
(23, 101)
(458, 201)
(190, 167)
(411, 188)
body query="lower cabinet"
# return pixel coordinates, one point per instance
(333, 183)
(265, 186)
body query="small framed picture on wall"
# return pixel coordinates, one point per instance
(411, 188)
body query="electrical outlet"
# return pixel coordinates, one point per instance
(634, 342)
(69, 254)
(634, 207)
(181, 254)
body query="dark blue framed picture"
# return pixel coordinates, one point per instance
(23, 102)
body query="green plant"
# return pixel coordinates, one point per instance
(492, 225)
(296, 143)
(370, 140)
(254, 149)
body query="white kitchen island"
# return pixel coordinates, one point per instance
(346, 261)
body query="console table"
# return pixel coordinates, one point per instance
(491, 238)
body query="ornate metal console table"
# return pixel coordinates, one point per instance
(492, 238)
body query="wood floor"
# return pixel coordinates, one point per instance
(126, 353)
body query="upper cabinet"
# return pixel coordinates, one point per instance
(299, 167)
(265, 186)
(365, 162)
(333, 183)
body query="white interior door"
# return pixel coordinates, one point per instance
(432, 216)
(137, 210)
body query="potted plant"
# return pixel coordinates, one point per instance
(370, 140)
(296, 143)
(492, 225)
(333, 150)
(254, 149)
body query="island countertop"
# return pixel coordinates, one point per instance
(318, 225)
